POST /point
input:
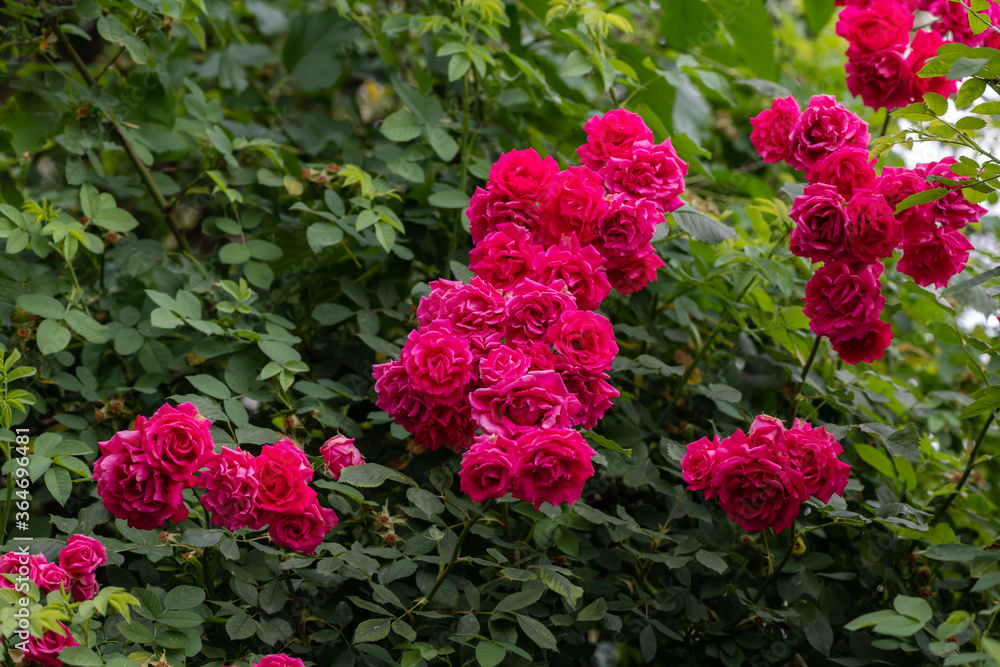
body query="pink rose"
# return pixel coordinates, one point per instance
(45, 649)
(552, 465)
(574, 205)
(538, 399)
(584, 339)
(82, 555)
(431, 307)
(630, 273)
(611, 135)
(872, 231)
(767, 430)
(51, 577)
(532, 308)
(489, 468)
(511, 361)
(866, 348)
(898, 183)
(953, 210)
(142, 495)
(504, 257)
(648, 171)
(279, 660)
(581, 269)
(698, 464)
(884, 24)
(772, 129)
(844, 300)
(302, 530)
(475, 313)
(522, 174)
(954, 18)
(392, 384)
(925, 46)
(848, 169)
(84, 587)
(19, 565)
(438, 363)
(881, 79)
(176, 440)
(824, 127)
(814, 453)
(231, 486)
(488, 210)
(820, 216)
(338, 453)
(283, 476)
(629, 225)
(594, 393)
(756, 488)
(446, 424)
(935, 256)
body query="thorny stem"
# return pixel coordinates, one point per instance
(968, 469)
(469, 523)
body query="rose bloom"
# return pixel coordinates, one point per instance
(767, 430)
(532, 307)
(648, 171)
(489, 210)
(504, 257)
(628, 227)
(489, 468)
(934, 257)
(11, 563)
(438, 363)
(872, 231)
(611, 135)
(552, 465)
(630, 273)
(538, 399)
(511, 361)
(52, 577)
(698, 464)
(953, 210)
(82, 555)
(866, 348)
(881, 79)
(755, 487)
(84, 587)
(430, 308)
(925, 46)
(953, 17)
(772, 129)
(898, 183)
(594, 393)
(822, 128)
(820, 216)
(304, 530)
(584, 339)
(848, 169)
(476, 314)
(45, 649)
(143, 496)
(231, 486)
(844, 300)
(581, 269)
(392, 386)
(446, 424)
(283, 476)
(175, 440)
(574, 205)
(814, 453)
(279, 660)
(522, 174)
(338, 453)
(882, 25)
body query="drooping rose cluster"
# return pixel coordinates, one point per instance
(761, 478)
(142, 474)
(517, 354)
(883, 59)
(75, 573)
(846, 219)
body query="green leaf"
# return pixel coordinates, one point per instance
(916, 608)
(987, 108)
(314, 42)
(563, 586)
(329, 314)
(869, 619)
(184, 597)
(128, 341)
(400, 126)
(234, 253)
(594, 611)
(371, 475)
(380, 345)
(953, 553)
(59, 484)
(210, 386)
(442, 143)
(964, 67)
(751, 29)
(240, 626)
(711, 560)
(489, 654)
(519, 600)
(323, 234)
(80, 656)
(537, 632)
(923, 197)
(818, 13)
(702, 227)
(88, 327)
(41, 305)
(898, 626)
(52, 337)
(372, 630)
(936, 103)
(449, 198)
(606, 442)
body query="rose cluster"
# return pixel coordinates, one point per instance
(279, 660)
(142, 474)
(517, 354)
(846, 219)
(762, 478)
(75, 573)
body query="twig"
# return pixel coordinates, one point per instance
(968, 469)
(805, 372)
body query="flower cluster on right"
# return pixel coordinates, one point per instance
(762, 478)
(846, 219)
